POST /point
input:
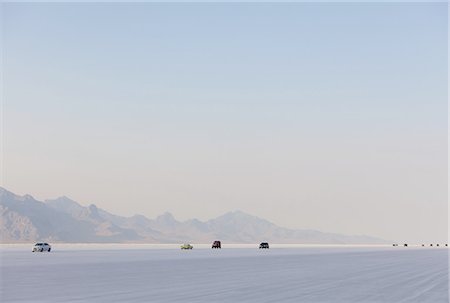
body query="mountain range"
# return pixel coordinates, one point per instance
(25, 219)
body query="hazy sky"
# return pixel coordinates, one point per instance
(322, 116)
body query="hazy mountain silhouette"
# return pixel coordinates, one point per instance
(25, 219)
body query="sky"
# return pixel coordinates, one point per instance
(327, 116)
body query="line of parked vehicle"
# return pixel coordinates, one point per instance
(41, 247)
(406, 245)
(218, 245)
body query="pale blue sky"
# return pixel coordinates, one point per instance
(324, 116)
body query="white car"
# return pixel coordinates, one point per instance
(40, 247)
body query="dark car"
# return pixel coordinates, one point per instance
(264, 245)
(40, 247)
(216, 244)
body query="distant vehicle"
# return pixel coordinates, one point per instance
(187, 246)
(264, 245)
(40, 247)
(216, 244)
(394, 244)
(405, 245)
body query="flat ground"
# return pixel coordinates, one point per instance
(105, 273)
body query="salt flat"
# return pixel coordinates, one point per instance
(140, 273)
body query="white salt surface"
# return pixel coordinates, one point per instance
(164, 273)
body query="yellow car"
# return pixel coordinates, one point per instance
(187, 246)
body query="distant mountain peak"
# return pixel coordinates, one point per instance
(28, 197)
(240, 215)
(166, 220)
(65, 204)
(65, 198)
(166, 216)
(93, 209)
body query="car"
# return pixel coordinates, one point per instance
(40, 247)
(216, 244)
(264, 245)
(187, 246)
